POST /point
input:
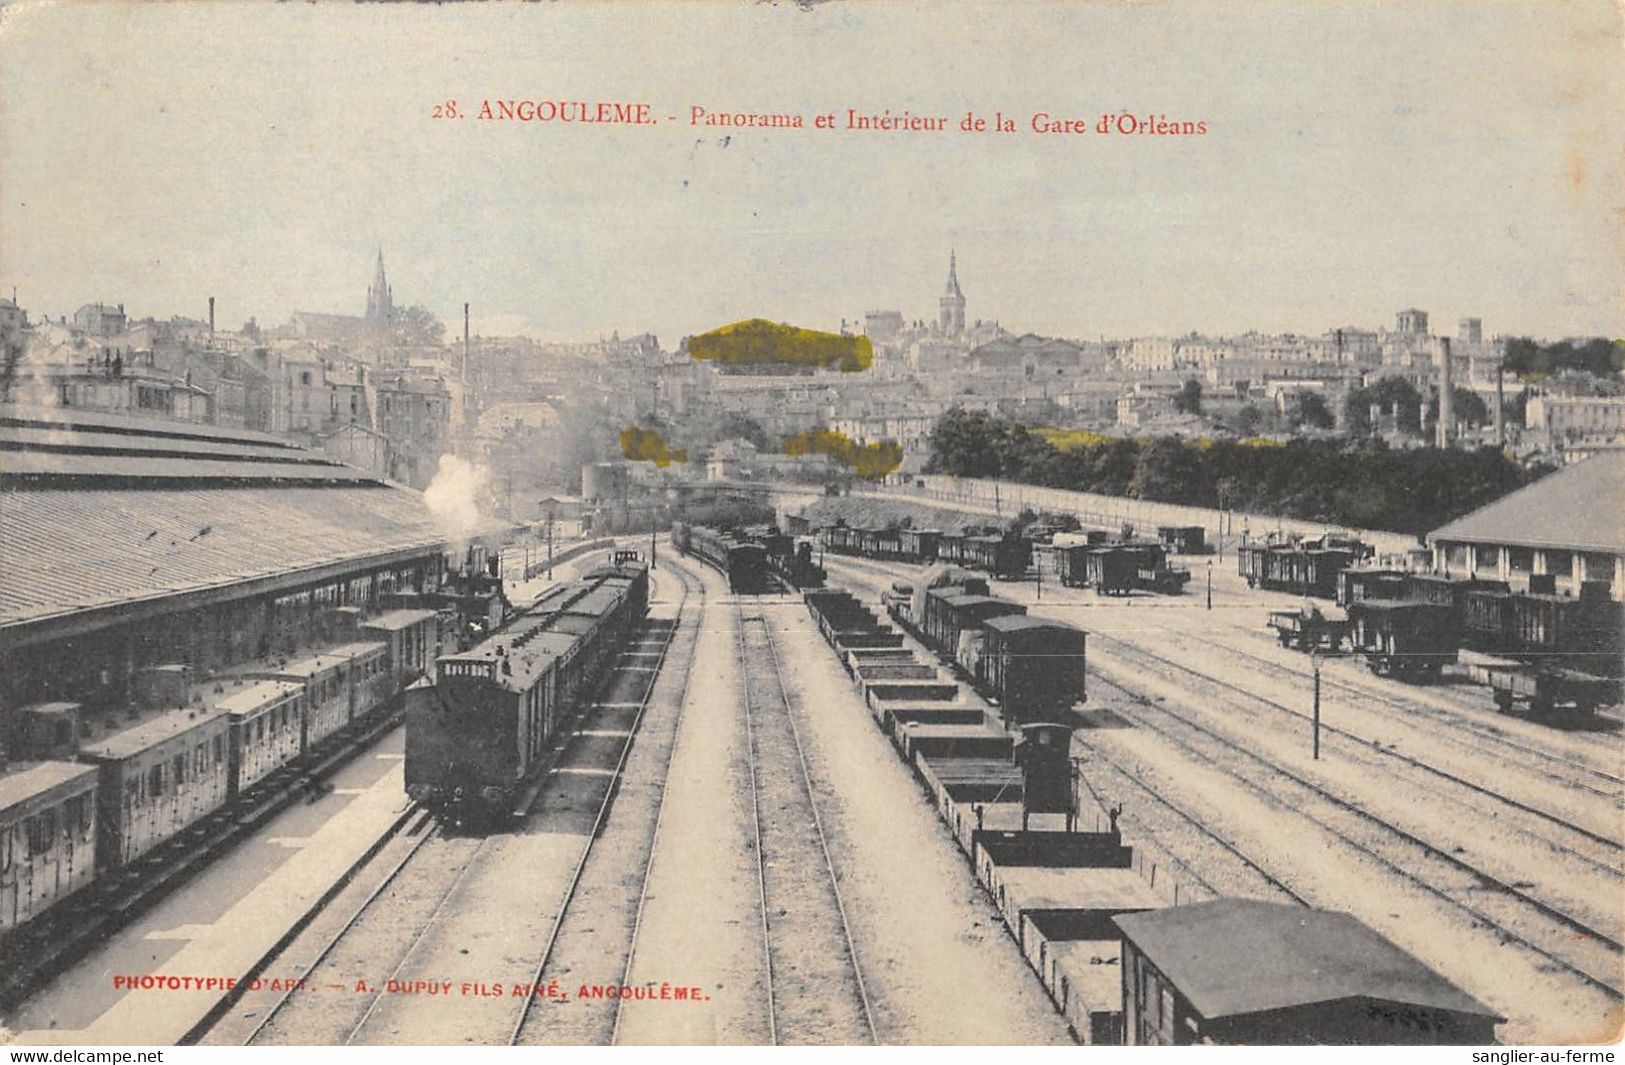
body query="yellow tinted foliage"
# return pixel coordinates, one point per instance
(646, 445)
(758, 342)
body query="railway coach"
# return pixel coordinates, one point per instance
(481, 730)
(742, 561)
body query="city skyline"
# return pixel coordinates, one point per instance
(1434, 157)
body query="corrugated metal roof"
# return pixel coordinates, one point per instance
(22, 782)
(39, 464)
(1239, 956)
(1580, 507)
(27, 438)
(72, 549)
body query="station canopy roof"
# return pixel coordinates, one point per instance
(1577, 508)
(1234, 957)
(97, 510)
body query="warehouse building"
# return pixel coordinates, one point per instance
(1553, 536)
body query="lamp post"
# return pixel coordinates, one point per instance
(1314, 661)
(1210, 584)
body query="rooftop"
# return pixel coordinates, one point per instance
(25, 780)
(148, 732)
(1576, 508)
(98, 511)
(1233, 957)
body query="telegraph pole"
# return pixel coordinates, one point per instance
(1210, 584)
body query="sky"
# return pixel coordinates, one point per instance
(1461, 157)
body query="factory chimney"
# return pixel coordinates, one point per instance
(1500, 407)
(1447, 387)
(211, 317)
(465, 342)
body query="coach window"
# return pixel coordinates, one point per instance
(36, 835)
(179, 772)
(155, 782)
(219, 749)
(6, 832)
(81, 809)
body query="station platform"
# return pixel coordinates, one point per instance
(224, 921)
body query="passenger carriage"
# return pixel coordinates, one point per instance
(265, 721)
(48, 835)
(159, 772)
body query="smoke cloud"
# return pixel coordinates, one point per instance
(453, 497)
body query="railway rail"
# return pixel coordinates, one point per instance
(813, 977)
(1608, 845)
(1459, 723)
(425, 882)
(1599, 964)
(815, 986)
(583, 1026)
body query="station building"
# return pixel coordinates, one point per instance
(127, 543)
(1554, 536)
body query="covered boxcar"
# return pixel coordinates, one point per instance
(1033, 667)
(919, 545)
(1112, 570)
(1183, 539)
(1403, 638)
(1071, 564)
(1005, 557)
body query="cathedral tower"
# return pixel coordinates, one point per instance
(951, 313)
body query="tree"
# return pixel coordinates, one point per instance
(962, 445)
(417, 326)
(1189, 398)
(735, 425)
(1466, 406)
(1312, 410)
(1248, 419)
(1597, 356)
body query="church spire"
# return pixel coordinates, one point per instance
(380, 300)
(951, 306)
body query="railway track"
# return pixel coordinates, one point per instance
(1570, 943)
(1578, 840)
(587, 934)
(1270, 886)
(815, 987)
(1577, 774)
(441, 867)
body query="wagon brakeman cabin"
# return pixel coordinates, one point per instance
(1239, 971)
